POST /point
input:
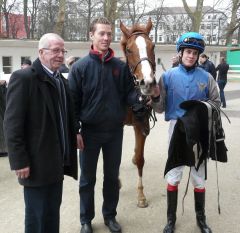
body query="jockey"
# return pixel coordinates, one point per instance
(185, 82)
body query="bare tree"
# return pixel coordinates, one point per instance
(195, 16)
(6, 9)
(157, 19)
(110, 12)
(58, 28)
(234, 22)
(26, 22)
(47, 16)
(33, 11)
(136, 10)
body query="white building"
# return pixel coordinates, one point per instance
(12, 52)
(175, 21)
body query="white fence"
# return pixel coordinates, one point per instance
(234, 72)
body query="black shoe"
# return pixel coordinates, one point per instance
(86, 228)
(113, 225)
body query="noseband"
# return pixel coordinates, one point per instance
(134, 67)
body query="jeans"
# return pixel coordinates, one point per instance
(221, 85)
(111, 145)
(42, 206)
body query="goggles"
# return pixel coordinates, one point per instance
(194, 41)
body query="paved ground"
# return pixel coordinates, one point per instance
(153, 218)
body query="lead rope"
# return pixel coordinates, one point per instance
(186, 190)
(217, 118)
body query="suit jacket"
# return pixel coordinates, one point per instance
(31, 127)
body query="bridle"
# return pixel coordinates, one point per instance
(134, 67)
(142, 98)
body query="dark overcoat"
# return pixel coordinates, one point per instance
(31, 126)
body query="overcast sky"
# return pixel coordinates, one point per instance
(219, 3)
(216, 3)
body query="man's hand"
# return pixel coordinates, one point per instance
(23, 173)
(156, 91)
(80, 144)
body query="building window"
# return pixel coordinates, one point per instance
(160, 38)
(215, 26)
(208, 26)
(202, 26)
(209, 16)
(7, 65)
(214, 38)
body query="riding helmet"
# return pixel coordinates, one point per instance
(191, 40)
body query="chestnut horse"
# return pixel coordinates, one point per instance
(138, 49)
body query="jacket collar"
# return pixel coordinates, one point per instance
(108, 56)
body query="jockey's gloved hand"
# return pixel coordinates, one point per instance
(139, 111)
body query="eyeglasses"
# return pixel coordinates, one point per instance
(57, 51)
(194, 41)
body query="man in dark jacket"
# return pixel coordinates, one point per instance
(207, 65)
(222, 69)
(40, 134)
(102, 89)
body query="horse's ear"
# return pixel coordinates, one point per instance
(149, 25)
(124, 29)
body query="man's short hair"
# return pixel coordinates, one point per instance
(203, 55)
(27, 62)
(101, 20)
(44, 40)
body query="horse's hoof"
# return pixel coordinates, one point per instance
(134, 160)
(142, 204)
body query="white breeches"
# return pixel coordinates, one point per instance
(174, 176)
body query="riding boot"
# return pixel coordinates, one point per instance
(200, 212)
(172, 197)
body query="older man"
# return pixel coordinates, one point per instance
(39, 129)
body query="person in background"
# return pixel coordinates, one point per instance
(63, 69)
(40, 134)
(102, 90)
(185, 82)
(207, 65)
(175, 61)
(70, 60)
(26, 63)
(222, 69)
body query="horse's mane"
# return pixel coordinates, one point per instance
(133, 29)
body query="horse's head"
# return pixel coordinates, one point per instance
(139, 52)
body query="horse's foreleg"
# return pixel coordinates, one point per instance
(139, 161)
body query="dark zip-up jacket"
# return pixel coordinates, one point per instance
(222, 71)
(102, 88)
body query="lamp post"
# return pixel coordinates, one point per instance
(219, 23)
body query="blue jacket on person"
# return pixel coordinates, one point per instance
(103, 88)
(182, 84)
